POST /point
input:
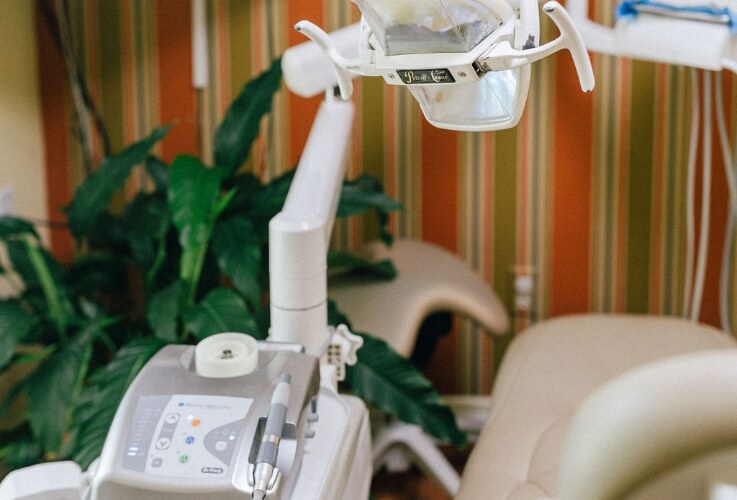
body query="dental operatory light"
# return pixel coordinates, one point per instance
(466, 62)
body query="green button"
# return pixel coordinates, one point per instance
(184, 459)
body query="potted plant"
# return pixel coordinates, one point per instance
(182, 261)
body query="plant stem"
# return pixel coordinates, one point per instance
(50, 290)
(160, 256)
(199, 262)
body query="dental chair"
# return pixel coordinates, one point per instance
(585, 407)
(608, 407)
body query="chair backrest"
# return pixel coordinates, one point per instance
(665, 428)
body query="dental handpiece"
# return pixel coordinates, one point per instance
(269, 447)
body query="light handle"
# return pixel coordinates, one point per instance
(503, 56)
(323, 41)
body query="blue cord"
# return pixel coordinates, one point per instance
(628, 10)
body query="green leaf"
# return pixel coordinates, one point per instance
(364, 193)
(268, 202)
(195, 203)
(99, 400)
(15, 325)
(22, 452)
(51, 388)
(349, 263)
(193, 192)
(237, 250)
(98, 272)
(246, 187)
(158, 171)
(163, 311)
(13, 226)
(108, 232)
(386, 380)
(240, 127)
(146, 221)
(222, 310)
(93, 196)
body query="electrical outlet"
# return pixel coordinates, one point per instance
(524, 283)
(7, 200)
(524, 286)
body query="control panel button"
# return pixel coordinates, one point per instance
(184, 459)
(172, 418)
(221, 445)
(163, 443)
(156, 462)
(189, 439)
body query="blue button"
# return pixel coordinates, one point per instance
(189, 439)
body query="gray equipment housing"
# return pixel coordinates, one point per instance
(178, 435)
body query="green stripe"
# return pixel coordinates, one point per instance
(372, 97)
(111, 80)
(110, 64)
(640, 186)
(676, 137)
(240, 58)
(505, 206)
(609, 189)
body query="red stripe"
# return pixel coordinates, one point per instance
(719, 206)
(301, 111)
(177, 97)
(53, 86)
(439, 188)
(572, 183)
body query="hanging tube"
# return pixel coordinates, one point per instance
(693, 145)
(700, 276)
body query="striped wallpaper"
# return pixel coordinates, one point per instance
(586, 194)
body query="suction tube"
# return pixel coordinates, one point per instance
(690, 186)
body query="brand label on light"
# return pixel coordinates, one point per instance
(425, 76)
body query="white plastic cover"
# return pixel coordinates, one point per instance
(432, 26)
(494, 102)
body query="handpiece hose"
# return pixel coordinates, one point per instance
(269, 448)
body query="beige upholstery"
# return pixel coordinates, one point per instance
(429, 279)
(547, 372)
(658, 431)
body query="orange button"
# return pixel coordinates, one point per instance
(196, 422)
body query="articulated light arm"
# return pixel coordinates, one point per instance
(299, 235)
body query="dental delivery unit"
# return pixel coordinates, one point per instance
(234, 418)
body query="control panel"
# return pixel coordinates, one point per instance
(185, 435)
